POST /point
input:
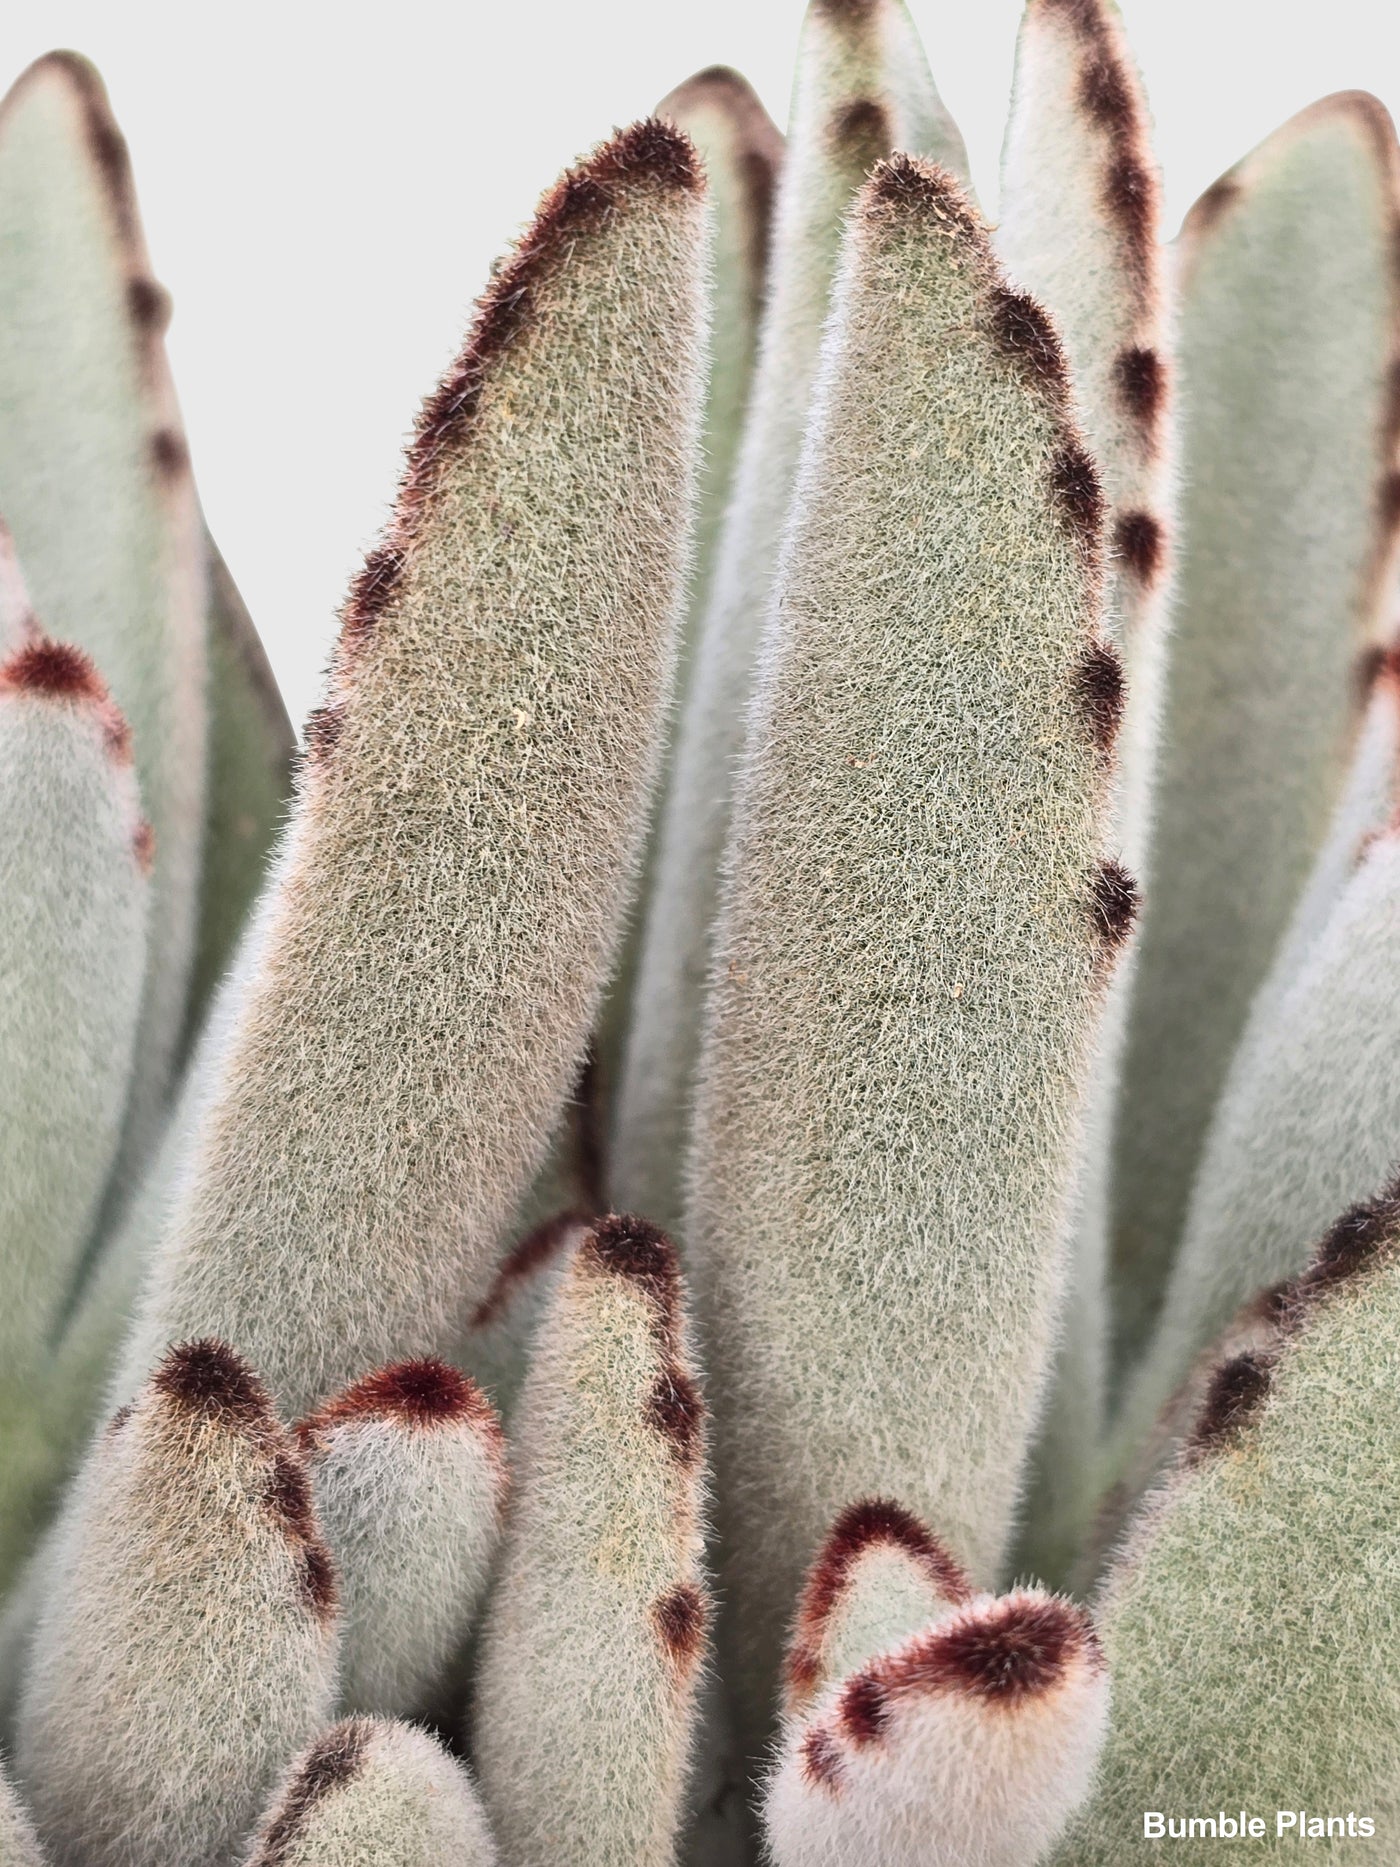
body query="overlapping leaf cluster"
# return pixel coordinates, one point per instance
(811, 1028)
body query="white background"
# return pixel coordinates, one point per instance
(324, 189)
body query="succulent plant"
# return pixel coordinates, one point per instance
(753, 1210)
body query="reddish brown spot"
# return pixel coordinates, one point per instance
(1105, 94)
(862, 132)
(1130, 196)
(1113, 903)
(206, 1378)
(1361, 1238)
(54, 669)
(420, 1395)
(1013, 1649)
(324, 726)
(1217, 200)
(1237, 1390)
(869, 1523)
(289, 1496)
(675, 1409)
(169, 453)
(116, 736)
(863, 1708)
(143, 846)
(333, 1760)
(1141, 380)
(370, 594)
(1098, 687)
(1138, 543)
(1083, 16)
(1388, 500)
(1074, 480)
(1026, 334)
(681, 1617)
(1377, 664)
(821, 1760)
(318, 1584)
(536, 1249)
(148, 305)
(627, 1246)
(910, 186)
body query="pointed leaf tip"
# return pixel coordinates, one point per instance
(55, 669)
(421, 1394)
(207, 1377)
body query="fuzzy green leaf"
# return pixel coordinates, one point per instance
(973, 1741)
(1289, 332)
(1080, 210)
(595, 1632)
(1248, 1622)
(862, 89)
(369, 1793)
(919, 928)
(409, 1472)
(95, 484)
(187, 1645)
(74, 896)
(447, 903)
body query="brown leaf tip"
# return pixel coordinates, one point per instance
(1113, 903)
(208, 1379)
(421, 1395)
(904, 186)
(336, 1758)
(1238, 1389)
(650, 156)
(820, 1760)
(681, 1617)
(143, 846)
(1024, 331)
(650, 152)
(527, 1256)
(1099, 689)
(54, 669)
(869, 1523)
(1140, 544)
(1074, 481)
(624, 1245)
(675, 1409)
(1140, 377)
(148, 304)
